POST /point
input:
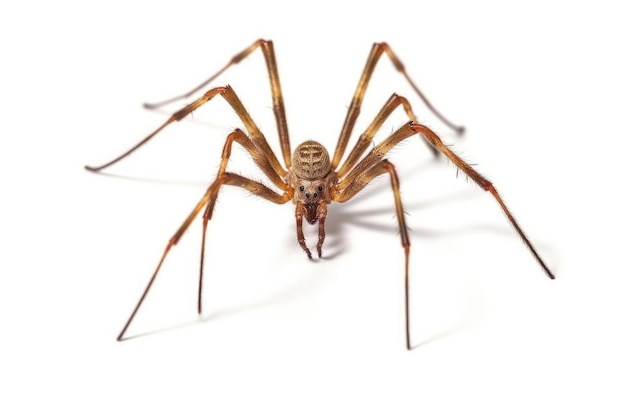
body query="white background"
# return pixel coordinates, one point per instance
(539, 86)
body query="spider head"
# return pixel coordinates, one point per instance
(310, 193)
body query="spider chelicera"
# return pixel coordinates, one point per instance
(310, 178)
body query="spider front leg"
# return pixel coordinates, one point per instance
(373, 165)
(413, 128)
(262, 162)
(360, 178)
(207, 202)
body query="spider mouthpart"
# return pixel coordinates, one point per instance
(311, 212)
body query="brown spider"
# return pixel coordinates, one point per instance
(310, 178)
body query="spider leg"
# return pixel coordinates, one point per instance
(277, 96)
(261, 160)
(345, 191)
(366, 138)
(231, 97)
(257, 154)
(355, 106)
(412, 128)
(208, 199)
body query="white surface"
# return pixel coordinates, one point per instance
(539, 88)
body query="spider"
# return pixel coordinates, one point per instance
(309, 177)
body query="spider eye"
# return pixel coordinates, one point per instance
(301, 188)
(320, 188)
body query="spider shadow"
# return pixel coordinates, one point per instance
(441, 335)
(153, 180)
(286, 292)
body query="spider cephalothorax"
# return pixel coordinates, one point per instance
(313, 180)
(309, 178)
